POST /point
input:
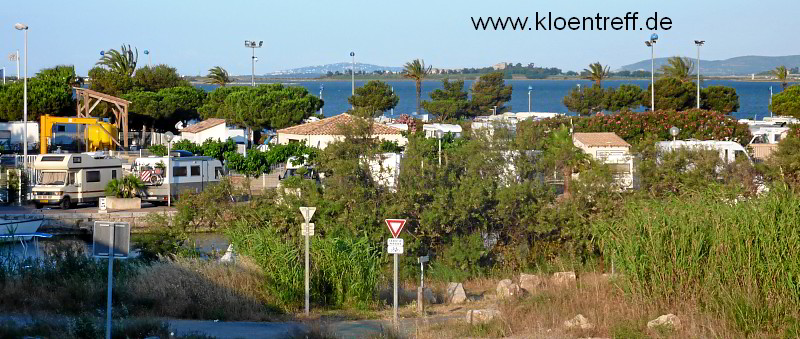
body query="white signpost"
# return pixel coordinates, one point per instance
(110, 240)
(395, 247)
(307, 230)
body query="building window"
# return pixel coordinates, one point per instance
(76, 160)
(113, 174)
(92, 176)
(217, 172)
(195, 171)
(179, 171)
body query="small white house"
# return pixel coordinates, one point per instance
(215, 129)
(610, 149)
(11, 134)
(435, 130)
(323, 132)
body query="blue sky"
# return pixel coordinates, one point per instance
(196, 35)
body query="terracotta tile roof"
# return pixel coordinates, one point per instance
(203, 125)
(330, 126)
(600, 139)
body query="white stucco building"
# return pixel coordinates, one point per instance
(216, 129)
(610, 149)
(323, 132)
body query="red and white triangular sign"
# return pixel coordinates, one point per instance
(395, 226)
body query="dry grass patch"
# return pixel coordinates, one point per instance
(613, 312)
(200, 289)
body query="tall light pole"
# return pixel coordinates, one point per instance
(321, 87)
(353, 72)
(149, 59)
(770, 100)
(253, 45)
(24, 27)
(698, 43)
(530, 89)
(652, 44)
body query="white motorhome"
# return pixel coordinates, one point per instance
(164, 176)
(729, 151)
(69, 179)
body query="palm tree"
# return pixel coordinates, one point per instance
(218, 76)
(678, 68)
(781, 73)
(121, 62)
(597, 73)
(416, 70)
(563, 155)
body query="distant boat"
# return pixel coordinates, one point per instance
(20, 226)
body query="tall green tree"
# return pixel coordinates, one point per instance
(121, 62)
(450, 102)
(417, 71)
(156, 78)
(489, 91)
(672, 94)
(271, 106)
(597, 73)
(787, 102)
(109, 82)
(218, 76)
(163, 109)
(49, 92)
(587, 101)
(372, 99)
(678, 68)
(719, 98)
(782, 74)
(625, 97)
(212, 108)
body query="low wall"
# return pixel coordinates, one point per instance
(114, 203)
(76, 223)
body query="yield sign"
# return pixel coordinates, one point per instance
(395, 226)
(307, 212)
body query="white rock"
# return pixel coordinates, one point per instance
(456, 293)
(579, 322)
(563, 278)
(669, 320)
(429, 296)
(507, 289)
(529, 282)
(481, 316)
(229, 256)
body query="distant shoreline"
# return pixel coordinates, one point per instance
(439, 79)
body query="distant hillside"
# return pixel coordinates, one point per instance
(315, 71)
(743, 65)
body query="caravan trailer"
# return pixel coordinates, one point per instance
(69, 179)
(729, 151)
(175, 175)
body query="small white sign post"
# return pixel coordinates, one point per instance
(307, 230)
(421, 289)
(110, 240)
(395, 246)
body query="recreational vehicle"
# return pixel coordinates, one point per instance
(69, 179)
(164, 176)
(729, 151)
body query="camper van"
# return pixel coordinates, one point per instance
(69, 179)
(729, 151)
(174, 175)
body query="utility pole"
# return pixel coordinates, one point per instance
(253, 45)
(353, 73)
(698, 43)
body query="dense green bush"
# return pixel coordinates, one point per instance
(736, 257)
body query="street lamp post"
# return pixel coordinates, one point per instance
(530, 89)
(652, 44)
(353, 75)
(149, 59)
(770, 100)
(169, 137)
(253, 45)
(698, 43)
(23, 27)
(321, 87)
(673, 131)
